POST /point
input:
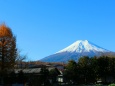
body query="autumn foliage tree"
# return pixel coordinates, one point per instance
(8, 51)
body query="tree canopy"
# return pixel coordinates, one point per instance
(8, 50)
(90, 69)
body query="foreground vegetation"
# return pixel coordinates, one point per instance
(90, 70)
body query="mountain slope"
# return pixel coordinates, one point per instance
(83, 46)
(75, 51)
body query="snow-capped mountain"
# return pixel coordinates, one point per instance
(75, 51)
(83, 46)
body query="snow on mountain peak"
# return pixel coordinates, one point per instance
(82, 46)
(76, 50)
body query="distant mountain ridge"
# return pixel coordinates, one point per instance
(75, 51)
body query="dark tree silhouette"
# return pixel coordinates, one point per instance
(53, 73)
(71, 72)
(90, 70)
(8, 51)
(44, 76)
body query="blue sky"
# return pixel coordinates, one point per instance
(43, 27)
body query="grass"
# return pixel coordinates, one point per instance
(111, 85)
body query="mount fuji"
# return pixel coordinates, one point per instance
(75, 51)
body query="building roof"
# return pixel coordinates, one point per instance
(32, 70)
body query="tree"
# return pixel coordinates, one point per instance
(8, 51)
(112, 67)
(20, 60)
(53, 73)
(85, 71)
(44, 76)
(104, 68)
(71, 71)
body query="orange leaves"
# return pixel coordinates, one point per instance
(5, 31)
(8, 49)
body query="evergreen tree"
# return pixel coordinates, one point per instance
(103, 67)
(53, 73)
(71, 72)
(86, 69)
(44, 76)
